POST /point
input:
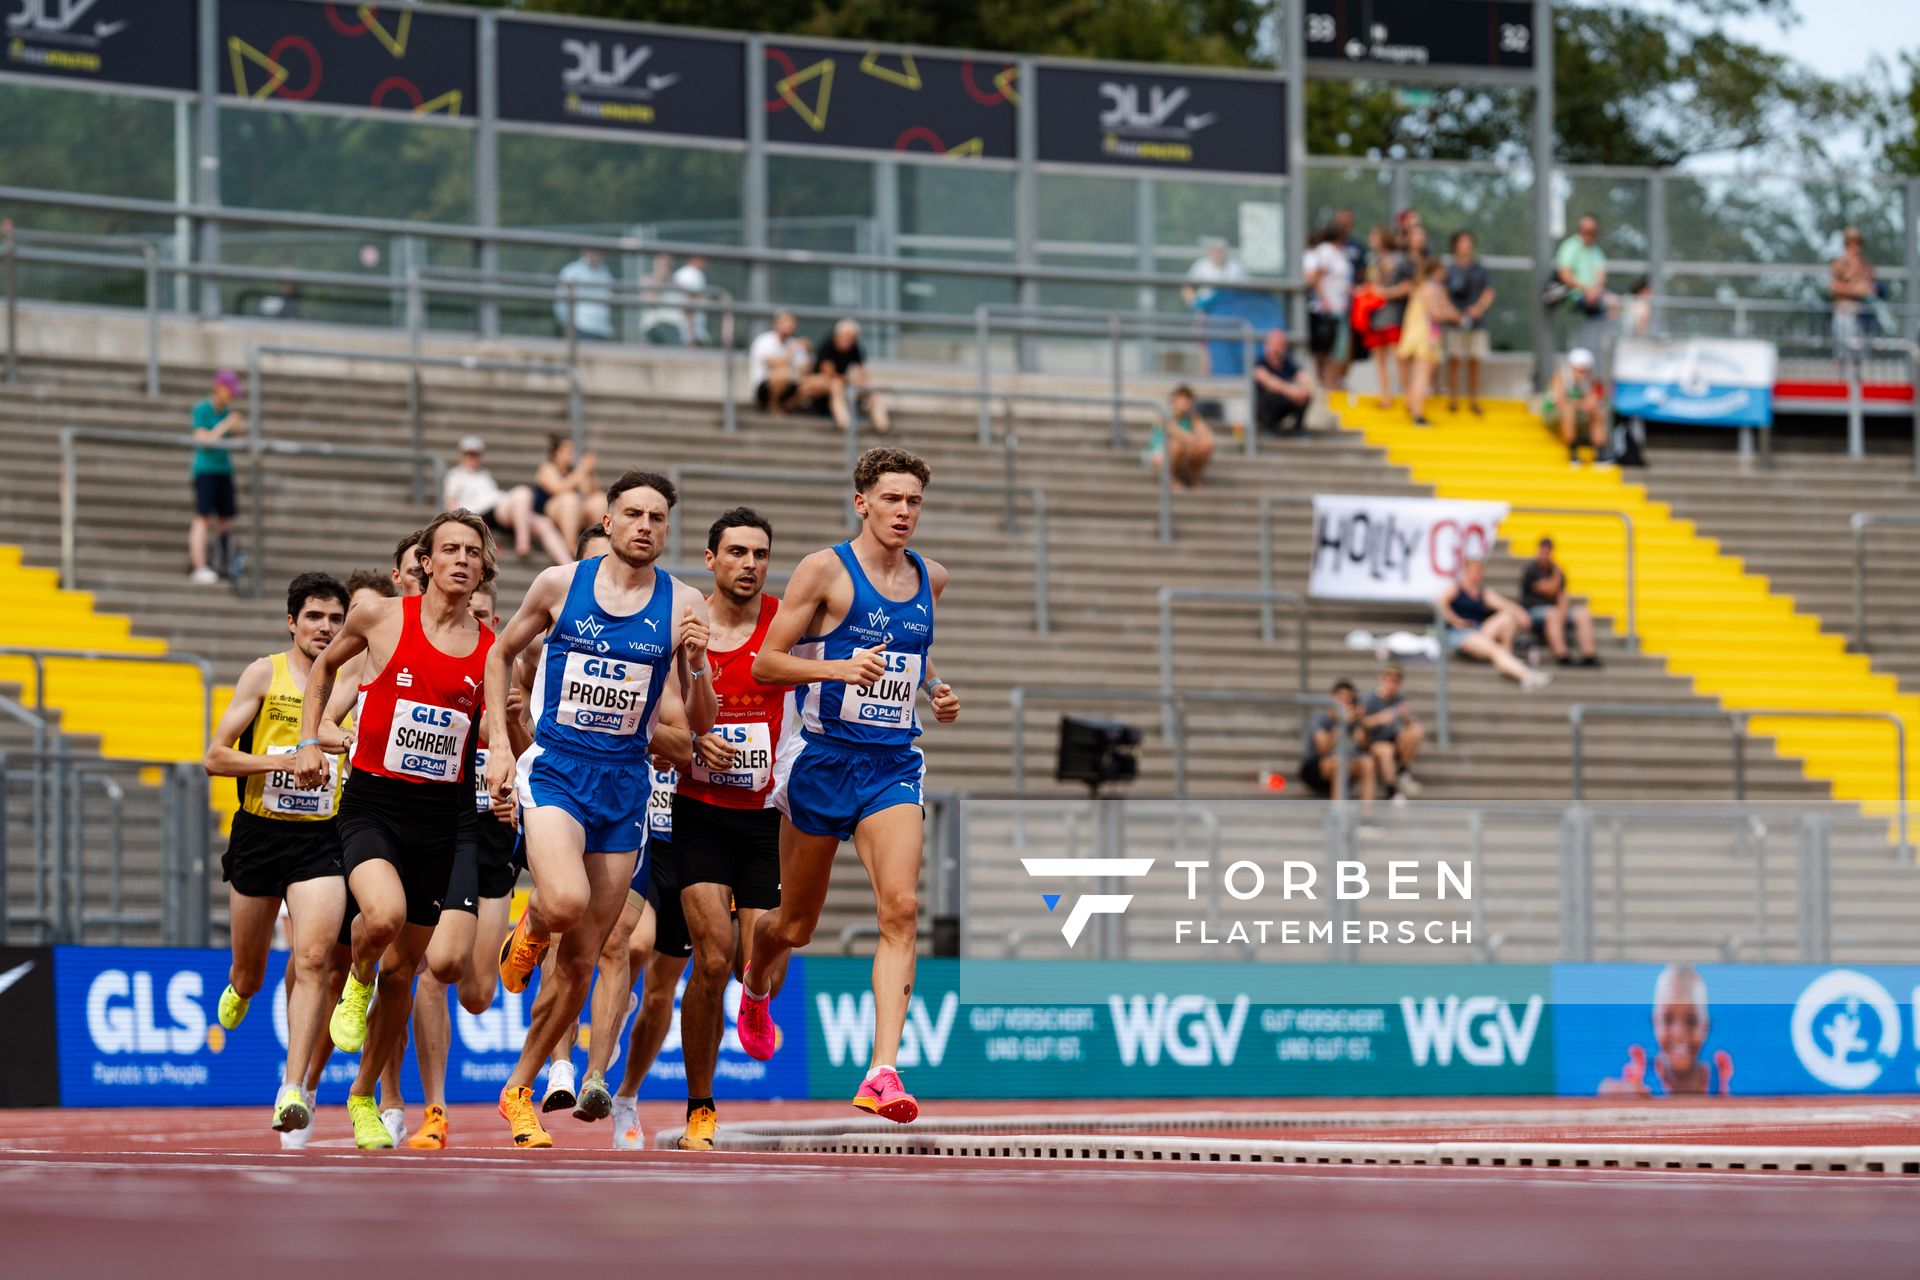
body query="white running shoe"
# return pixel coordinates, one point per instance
(203, 577)
(559, 1096)
(627, 1133)
(396, 1121)
(1534, 681)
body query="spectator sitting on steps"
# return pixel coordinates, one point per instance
(1184, 442)
(1576, 401)
(1543, 594)
(472, 486)
(840, 365)
(1320, 760)
(592, 297)
(1481, 623)
(1282, 389)
(1393, 734)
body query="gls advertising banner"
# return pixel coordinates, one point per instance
(105, 42)
(1141, 119)
(1709, 382)
(137, 1028)
(1402, 549)
(1110, 1029)
(621, 79)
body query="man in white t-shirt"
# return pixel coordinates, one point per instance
(1216, 267)
(1328, 271)
(506, 511)
(691, 281)
(592, 297)
(776, 361)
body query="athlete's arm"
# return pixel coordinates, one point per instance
(310, 761)
(691, 656)
(813, 580)
(335, 739)
(224, 760)
(531, 620)
(519, 726)
(946, 703)
(672, 741)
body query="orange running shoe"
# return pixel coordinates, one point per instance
(519, 957)
(516, 1108)
(432, 1135)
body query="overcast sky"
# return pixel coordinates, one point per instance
(1838, 37)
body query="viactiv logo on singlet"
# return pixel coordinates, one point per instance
(752, 769)
(887, 703)
(603, 695)
(426, 741)
(281, 794)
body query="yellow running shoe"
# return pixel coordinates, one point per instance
(431, 1135)
(701, 1126)
(348, 1025)
(233, 1007)
(290, 1112)
(369, 1131)
(519, 957)
(516, 1108)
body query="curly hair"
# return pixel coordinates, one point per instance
(489, 563)
(883, 461)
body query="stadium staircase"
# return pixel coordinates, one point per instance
(1107, 567)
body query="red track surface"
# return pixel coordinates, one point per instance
(198, 1193)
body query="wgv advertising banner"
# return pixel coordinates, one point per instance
(136, 1027)
(1399, 549)
(1729, 1030)
(1039, 1029)
(1709, 382)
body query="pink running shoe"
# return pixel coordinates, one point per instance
(758, 1036)
(885, 1096)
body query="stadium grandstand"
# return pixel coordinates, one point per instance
(1426, 669)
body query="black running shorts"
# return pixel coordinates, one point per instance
(265, 855)
(423, 829)
(739, 848)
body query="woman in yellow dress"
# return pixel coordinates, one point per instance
(1419, 348)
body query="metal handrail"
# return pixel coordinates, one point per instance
(11, 237)
(1580, 712)
(1266, 596)
(1042, 547)
(1117, 325)
(255, 447)
(416, 411)
(1860, 522)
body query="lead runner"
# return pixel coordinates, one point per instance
(856, 632)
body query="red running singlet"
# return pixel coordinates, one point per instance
(757, 719)
(415, 717)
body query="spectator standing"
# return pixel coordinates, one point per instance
(1320, 754)
(1356, 251)
(776, 361)
(1184, 443)
(1636, 318)
(1464, 341)
(1481, 623)
(1419, 246)
(1419, 346)
(1580, 266)
(1394, 735)
(690, 282)
(1576, 402)
(470, 485)
(1329, 276)
(1392, 277)
(1543, 594)
(565, 490)
(662, 324)
(1282, 390)
(1854, 289)
(214, 419)
(840, 376)
(592, 286)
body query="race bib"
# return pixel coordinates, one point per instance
(603, 695)
(482, 798)
(282, 795)
(887, 703)
(752, 769)
(426, 742)
(660, 803)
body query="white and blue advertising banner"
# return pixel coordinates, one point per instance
(1708, 382)
(1400, 549)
